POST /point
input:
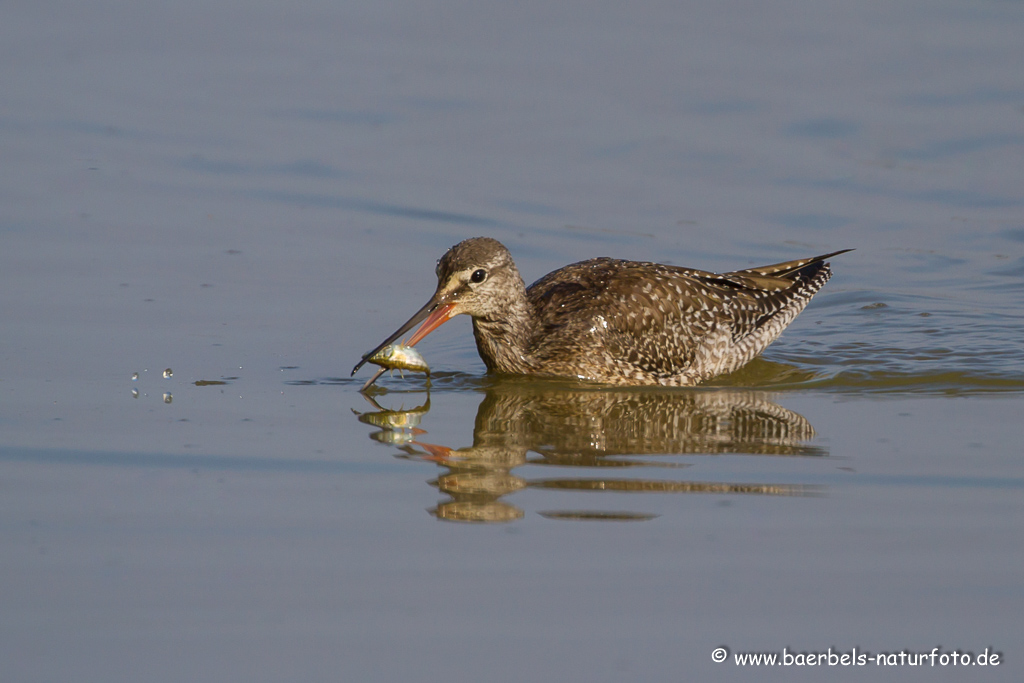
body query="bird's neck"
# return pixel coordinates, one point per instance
(504, 340)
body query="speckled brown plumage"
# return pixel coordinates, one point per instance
(613, 321)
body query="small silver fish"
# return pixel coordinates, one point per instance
(397, 357)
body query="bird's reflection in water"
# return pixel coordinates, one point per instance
(546, 424)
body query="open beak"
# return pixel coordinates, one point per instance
(433, 315)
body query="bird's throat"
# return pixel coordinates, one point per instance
(504, 342)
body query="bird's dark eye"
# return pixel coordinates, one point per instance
(478, 275)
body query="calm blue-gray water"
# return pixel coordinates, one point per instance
(210, 210)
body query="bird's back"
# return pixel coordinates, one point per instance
(640, 323)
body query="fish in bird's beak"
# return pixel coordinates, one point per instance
(434, 314)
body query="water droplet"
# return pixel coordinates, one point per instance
(168, 398)
(168, 373)
(135, 376)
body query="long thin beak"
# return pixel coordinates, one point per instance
(434, 314)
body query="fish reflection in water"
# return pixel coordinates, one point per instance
(394, 426)
(530, 423)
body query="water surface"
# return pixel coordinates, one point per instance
(253, 195)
